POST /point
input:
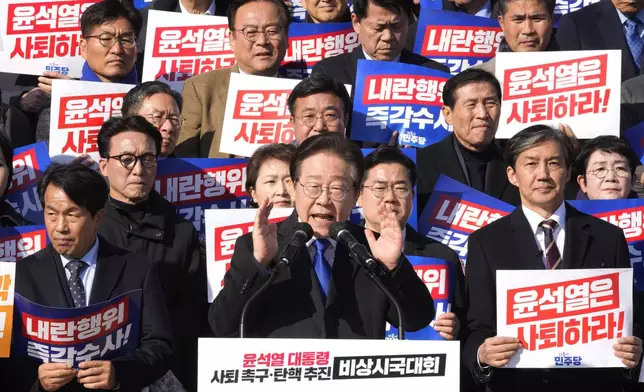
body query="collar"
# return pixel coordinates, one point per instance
(535, 219)
(209, 11)
(91, 257)
(366, 56)
(90, 76)
(486, 11)
(241, 71)
(623, 18)
(333, 242)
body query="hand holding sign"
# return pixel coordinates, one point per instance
(44, 81)
(629, 350)
(388, 248)
(97, 375)
(498, 350)
(264, 235)
(53, 376)
(447, 325)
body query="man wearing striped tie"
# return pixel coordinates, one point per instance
(543, 233)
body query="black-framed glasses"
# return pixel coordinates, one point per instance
(109, 40)
(379, 189)
(335, 193)
(330, 119)
(602, 172)
(128, 161)
(251, 34)
(159, 118)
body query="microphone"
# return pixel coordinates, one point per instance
(340, 232)
(301, 235)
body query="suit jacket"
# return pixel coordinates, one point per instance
(632, 106)
(596, 27)
(292, 307)
(509, 244)
(41, 278)
(441, 158)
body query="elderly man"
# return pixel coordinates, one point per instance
(259, 39)
(161, 106)
(326, 11)
(326, 171)
(138, 218)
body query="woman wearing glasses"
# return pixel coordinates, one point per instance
(268, 177)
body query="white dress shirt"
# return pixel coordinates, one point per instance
(210, 11)
(87, 273)
(559, 233)
(639, 15)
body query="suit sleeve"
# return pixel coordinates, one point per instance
(567, 34)
(190, 133)
(143, 366)
(197, 285)
(459, 299)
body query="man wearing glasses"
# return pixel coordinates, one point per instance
(137, 218)
(259, 39)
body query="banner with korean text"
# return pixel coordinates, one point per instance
(183, 45)
(439, 277)
(78, 110)
(194, 185)
(41, 35)
(73, 335)
(310, 43)
(454, 211)
(563, 7)
(398, 97)
(29, 165)
(565, 318)
(577, 88)
(456, 39)
(18, 242)
(7, 287)
(317, 365)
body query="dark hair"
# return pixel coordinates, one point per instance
(533, 136)
(237, 4)
(334, 143)
(107, 11)
(7, 151)
(281, 152)
(85, 187)
(470, 75)
(388, 154)
(116, 125)
(550, 6)
(134, 98)
(319, 84)
(361, 7)
(608, 144)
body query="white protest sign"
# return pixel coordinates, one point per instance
(41, 35)
(320, 365)
(578, 88)
(7, 287)
(78, 110)
(223, 227)
(565, 318)
(183, 45)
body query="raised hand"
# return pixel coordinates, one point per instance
(264, 235)
(388, 247)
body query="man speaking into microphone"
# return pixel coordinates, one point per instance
(322, 292)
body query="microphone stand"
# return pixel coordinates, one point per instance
(273, 275)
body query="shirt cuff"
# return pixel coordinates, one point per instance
(261, 268)
(484, 372)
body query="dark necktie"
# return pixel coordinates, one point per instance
(553, 257)
(75, 283)
(634, 39)
(321, 266)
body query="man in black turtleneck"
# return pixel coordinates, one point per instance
(137, 218)
(472, 105)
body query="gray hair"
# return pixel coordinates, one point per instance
(534, 136)
(133, 100)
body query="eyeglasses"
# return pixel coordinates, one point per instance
(108, 40)
(252, 33)
(602, 172)
(379, 189)
(158, 119)
(330, 119)
(128, 161)
(335, 193)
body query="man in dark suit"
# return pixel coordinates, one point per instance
(543, 233)
(382, 27)
(615, 24)
(472, 105)
(322, 293)
(98, 271)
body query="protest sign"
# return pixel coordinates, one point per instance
(194, 185)
(183, 45)
(41, 35)
(309, 43)
(18, 242)
(577, 88)
(565, 318)
(78, 110)
(318, 365)
(7, 287)
(73, 335)
(29, 165)
(298, 11)
(458, 40)
(563, 7)
(454, 211)
(398, 97)
(635, 137)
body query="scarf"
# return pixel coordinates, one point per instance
(90, 76)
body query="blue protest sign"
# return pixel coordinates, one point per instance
(29, 164)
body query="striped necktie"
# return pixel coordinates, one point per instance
(553, 257)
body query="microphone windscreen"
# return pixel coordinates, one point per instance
(336, 228)
(306, 228)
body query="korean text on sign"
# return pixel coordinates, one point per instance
(7, 288)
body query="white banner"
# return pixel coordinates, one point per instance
(41, 35)
(320, 365)
(579, 88)
(7, 287)
(183, 45)
(565, 318)
(78, 110)
(223, 227)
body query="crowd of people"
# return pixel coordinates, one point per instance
(111, 232)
